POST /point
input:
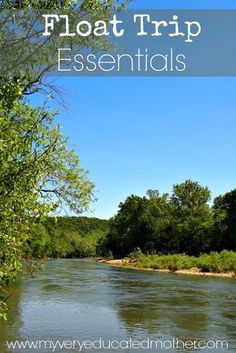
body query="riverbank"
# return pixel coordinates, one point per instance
(193, 271)
(213, 264)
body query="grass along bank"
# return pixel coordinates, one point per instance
(216, 264)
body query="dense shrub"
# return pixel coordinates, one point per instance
(213, 262)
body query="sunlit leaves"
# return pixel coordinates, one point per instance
(38, 174)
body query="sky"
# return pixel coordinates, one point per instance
(135, 134)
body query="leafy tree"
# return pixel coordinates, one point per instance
(156, 221)
(193, 217)
(38, 173)
(180, 223)
(28, 55)
(38, 243)
(126, 230)
(225, 224)
(140, 223)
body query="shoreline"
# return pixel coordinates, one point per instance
(195, 272)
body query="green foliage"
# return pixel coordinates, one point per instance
(213, 262)
(182, 222)
(27, 54)
(218, 262)
(65, 237)
(38, 173)
(177, 223)
(136, 255)
(125, 226)
(225, 221)
(60, 4)
(193, 217)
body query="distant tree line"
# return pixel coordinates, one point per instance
(183, 222)
(65, 237)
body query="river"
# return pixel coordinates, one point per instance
(81, 300)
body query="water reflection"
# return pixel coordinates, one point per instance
(78, 299)
(9, 328)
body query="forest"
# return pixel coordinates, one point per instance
(183, 222)
(65, 237)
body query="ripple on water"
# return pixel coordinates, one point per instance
(77, 299)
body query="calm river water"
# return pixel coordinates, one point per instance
(71, 300)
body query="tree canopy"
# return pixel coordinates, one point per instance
(183, 222)
(38, 173)
(225, 209)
